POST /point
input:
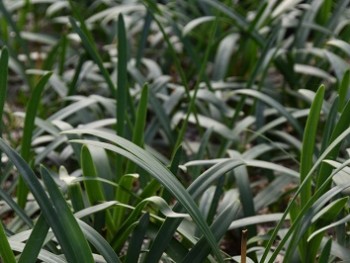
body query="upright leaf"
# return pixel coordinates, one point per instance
(32, 108)
(3, 81)
(77, 242)
(5, 249)
(308, 147)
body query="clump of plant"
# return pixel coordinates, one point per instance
(148, 132)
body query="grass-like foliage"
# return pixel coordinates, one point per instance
(174, 131)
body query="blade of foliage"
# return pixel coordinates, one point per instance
(35, 241)
(144, 36)
(5, 249)
(137, 239)
(326, 252)
(77, 241)
(31, 112)
(343, 89)
(343, 122)
(309, 144)
(122, 89)
(204, 144)
(330, 123)
(216, 198)
(94, 189)
(101, 245)
(76, 196)
(140, 122)
(246, 196)
(3, 80)
(123, 196)
(103, 170)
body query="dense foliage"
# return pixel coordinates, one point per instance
(156, 131)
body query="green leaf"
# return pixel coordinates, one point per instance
(28, 129)
(309, 139)
(243, 184)
(103, 170)
(137, 239)
(326, 252)
(343, 88)
(76, 196)
(122, 88)
(123, 196)
(5, 249)
(94, 189)
(140, 122)
(3, 81)
(77, 243)
(101, 245)
(35, 242)
(342, 124)
(141, 115)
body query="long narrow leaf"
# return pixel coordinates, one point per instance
(137, 239)
(31, 111)
(34, 243)
(3, 81)
(309, 144)
(5, 249)
(77, 241)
